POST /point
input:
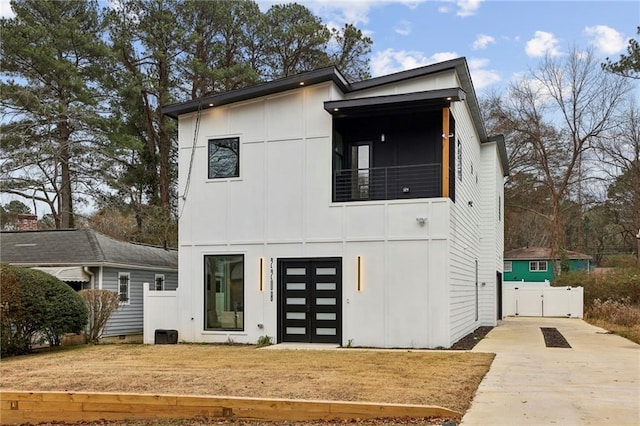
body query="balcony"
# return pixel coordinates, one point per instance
(388, 183)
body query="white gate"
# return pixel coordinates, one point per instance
(541, 300)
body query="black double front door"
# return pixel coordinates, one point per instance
(310, 300)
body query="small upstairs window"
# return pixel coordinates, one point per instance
(224, 158)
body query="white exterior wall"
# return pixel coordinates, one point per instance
(492, 230)
(281, 207)
(465, 219)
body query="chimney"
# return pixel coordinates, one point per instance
(27, 222)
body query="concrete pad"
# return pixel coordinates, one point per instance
(595, 382)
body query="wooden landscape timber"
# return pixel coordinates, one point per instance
(34, 407)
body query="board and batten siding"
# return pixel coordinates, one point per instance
(418, 282)
(128, 318)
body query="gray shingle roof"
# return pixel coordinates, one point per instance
(540, 253)
(80, 247)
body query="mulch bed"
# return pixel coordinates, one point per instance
(553, 338)
(469, 341)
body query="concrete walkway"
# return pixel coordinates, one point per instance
(596, 382)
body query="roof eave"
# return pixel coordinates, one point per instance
(288, 83)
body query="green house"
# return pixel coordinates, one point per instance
(534, 264)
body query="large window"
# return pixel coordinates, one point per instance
(538, 266)
(508, 266)
(224, 292)
(224, 158)
(123, 287)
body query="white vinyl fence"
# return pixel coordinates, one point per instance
(541, 300)
(160, 312)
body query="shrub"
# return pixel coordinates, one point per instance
(264, 341)
(619, 284)
(617, 312)
(101, 304)
(34, 303)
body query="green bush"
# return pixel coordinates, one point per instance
(618, 285)
(34, 304)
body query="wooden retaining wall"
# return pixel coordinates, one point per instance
(33, 407)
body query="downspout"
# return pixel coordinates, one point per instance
(92, 275)
(93, 286)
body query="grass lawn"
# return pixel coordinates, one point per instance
(448, 379)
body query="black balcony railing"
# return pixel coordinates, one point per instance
(388, 183)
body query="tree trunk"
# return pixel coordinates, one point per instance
(66, 199)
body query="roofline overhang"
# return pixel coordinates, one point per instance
(94, 265)
(288, 83)
(332, 74)
(437, 97)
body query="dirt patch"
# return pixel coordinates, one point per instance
(469, 341)
(447, 379)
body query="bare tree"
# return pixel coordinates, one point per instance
(556, 113)
(619, 154)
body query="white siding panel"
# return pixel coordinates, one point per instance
(248, 121)
(317, 120)
(364, 221)
(465, 217)
(209, 209)
(321, 222)
(285, 193)
(285, 116)
(406, 296)
(246, 197)
(364, 313)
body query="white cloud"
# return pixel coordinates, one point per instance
(5, 9)
(606, 39)
(412, 4)
(482, 41)
(541, 44)
(444, 9)
(468, 7)
(403, 28)
(342, 12)
(389, 61)
(481, 76)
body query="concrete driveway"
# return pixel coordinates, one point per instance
(596, 382)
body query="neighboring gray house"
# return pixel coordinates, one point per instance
(85, 259)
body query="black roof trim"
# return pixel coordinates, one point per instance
(502, 150)
(408, 74)
(288, 83)
(443, 95)
(332, 74)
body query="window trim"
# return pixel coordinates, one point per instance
(120, 276)
(210, 143)
(155, 281)
(538, 266)
(504, 266)
(206, 329)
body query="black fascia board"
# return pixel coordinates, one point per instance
(443, 96)
(408, 74)
(293, 82)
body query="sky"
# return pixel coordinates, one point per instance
(501, 40)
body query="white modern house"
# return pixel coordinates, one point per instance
(318, 210)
